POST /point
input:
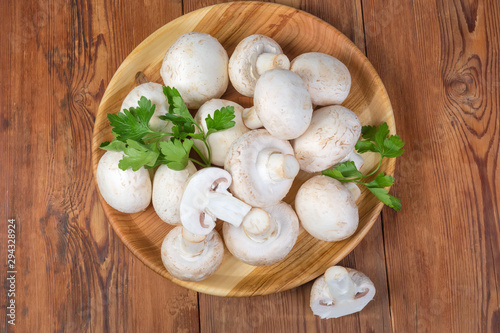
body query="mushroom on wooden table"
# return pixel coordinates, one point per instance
(340, 292)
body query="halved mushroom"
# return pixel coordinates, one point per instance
(190, 257)
(196, 65)
(206, 199)
(263, 168)
(126, 191)
(168, 186)
(219, 141)
(332, 135)
(281, 104)
(340, 292)
(327, 78)
(154, 92)
(327, 209)
(251, 58)
(265, 237)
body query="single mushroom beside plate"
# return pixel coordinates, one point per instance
(252, 57)
(340, 292)
(262, 167)
(265, 237)
(190, 257)
(327, 209)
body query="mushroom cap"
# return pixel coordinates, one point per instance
(168, 186)
(242, 64)
(251, 181)
(126, 191)
(322, 304)
(191, 268)
(154, 92)
(327, 78)
(326, 209)
(196, 65)
(219, 141)
(332, 135)
(283, 104)
(271, 251)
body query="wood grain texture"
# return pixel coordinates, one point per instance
(143, 232)
(443, 251)
(74, 274)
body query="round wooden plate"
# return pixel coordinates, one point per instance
(297, 32)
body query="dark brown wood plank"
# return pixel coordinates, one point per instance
(290, 311)
(73, 273)
(439, 61)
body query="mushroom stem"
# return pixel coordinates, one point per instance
(225, 207)
(192, 245)
(268, 61)
(279, 166)
(354, 157)
(340, 285)
(251, 119)
(355, 191)
(259, 226)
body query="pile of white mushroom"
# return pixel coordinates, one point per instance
(259, 163)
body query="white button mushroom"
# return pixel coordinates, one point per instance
(206, 199)
(190, 257)
(281, 103)
(263, 168)
(340, 292)
(253, 56)
(154, 92)
(196, 65)
(332, 135)
(219, 141)
(327, 209)
(263, 238)
(327, 78)
(168, 186)
(126, 191)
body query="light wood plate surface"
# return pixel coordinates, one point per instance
(297, 32)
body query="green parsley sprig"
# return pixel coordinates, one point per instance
(376, 140)
(144, 146)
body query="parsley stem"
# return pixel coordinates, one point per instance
(197, 162)
(206, 163)
(378, 167)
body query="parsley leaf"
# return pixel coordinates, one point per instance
(144, 147)
(223, 119)
(377, 140)
(383, 195)
(176, 153)
(137, 156)
(133, 123)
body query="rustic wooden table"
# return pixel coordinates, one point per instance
(435, 264)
